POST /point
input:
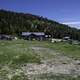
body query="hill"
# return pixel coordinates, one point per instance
(14, 23)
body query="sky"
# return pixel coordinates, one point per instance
(63, 11)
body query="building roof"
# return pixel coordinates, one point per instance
(39, 33)
(67, 37)
(35, 33)
(25, 33)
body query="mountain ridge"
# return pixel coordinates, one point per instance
(14, 23)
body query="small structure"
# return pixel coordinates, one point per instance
(33, 35)
(56, 40)
(48, 37)
(66, 38)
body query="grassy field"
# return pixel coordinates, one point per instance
(20, 51)
(66, 48)
(16, 53)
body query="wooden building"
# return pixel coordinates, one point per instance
(33, 35)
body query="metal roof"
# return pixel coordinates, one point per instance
(25, 33)
(35, 33)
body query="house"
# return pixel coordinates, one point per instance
(7, 37)
(33, 35)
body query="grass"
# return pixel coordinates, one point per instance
(13, 53)
(20, 51)
(66, 48)
(17, 52)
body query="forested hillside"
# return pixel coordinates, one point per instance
(14, 23)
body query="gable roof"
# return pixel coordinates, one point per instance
(35, 33)
(39, 33)
(25, 33)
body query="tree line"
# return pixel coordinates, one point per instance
(14, 23)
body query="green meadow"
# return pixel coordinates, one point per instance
(20, 51)
(15, 53)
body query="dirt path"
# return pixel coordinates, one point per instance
(52, 62)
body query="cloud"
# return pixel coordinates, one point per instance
(71, 23)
